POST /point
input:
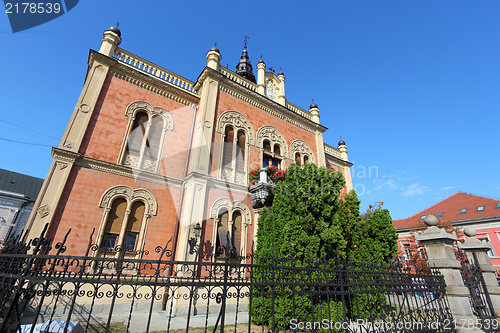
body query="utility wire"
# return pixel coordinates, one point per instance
(26, 143)
(28, 129)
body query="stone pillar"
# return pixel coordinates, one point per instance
(281, 97)
(438, 243)
(473, 245)
(261, 77)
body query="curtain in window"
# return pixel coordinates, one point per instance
(240, 149)
(228, 148)
(114, 223)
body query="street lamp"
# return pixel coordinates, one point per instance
(193, 241)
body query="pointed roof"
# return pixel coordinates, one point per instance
(451, 209)
(244, 67)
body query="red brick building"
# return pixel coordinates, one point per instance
(148, 154)
(462, 210)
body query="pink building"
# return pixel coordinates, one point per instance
(462, 210)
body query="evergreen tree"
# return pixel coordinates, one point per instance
(310, 221)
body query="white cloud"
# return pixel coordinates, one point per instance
(389, 183)
(414, 189)
(448, 188)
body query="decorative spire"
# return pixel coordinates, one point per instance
(115, 29)
(244, 67)
(313, 105)
(214, 48)
(341, 142)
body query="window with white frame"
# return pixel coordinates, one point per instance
(145, 136)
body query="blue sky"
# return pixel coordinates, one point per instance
(411, 86)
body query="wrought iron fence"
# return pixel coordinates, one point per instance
(119, 290)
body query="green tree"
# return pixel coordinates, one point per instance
(310, 221)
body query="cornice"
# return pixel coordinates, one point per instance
(257, 100)
(116, 169)
(64, 155)
(145, 80)
(338, 160)
(217, 183)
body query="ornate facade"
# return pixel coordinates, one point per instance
(147, 154)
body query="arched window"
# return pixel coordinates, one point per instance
(237, 135)
(115, 235)
(145, 137)
(273, 146)
(301, 152)
(231, 221)
(125, 219)
(228, 241)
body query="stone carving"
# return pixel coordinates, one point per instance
(226, 205)
(227, 175)
(43, 210)
(299, 146)
(238, 121)
(61, 165)
(125, 191)
(84, 108)
(274, 136)
(241, 178)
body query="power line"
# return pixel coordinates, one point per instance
(28, 129)
(26, 143)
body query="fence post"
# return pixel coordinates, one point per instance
(439, 246)
(481, 248)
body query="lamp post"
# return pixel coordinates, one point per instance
(193, 241)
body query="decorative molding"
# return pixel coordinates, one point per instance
(131, 195)
(139, 78)
(84, 108)
(134, 107)
(260, 101)
(238, 121)
(220, 203)
(274, 136)
(230, 206)
(43, 210)
(61, 165)
(64, 155)
(116, 169)
(164, 91)
(299, 146)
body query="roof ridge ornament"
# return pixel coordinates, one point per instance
(244, 66)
